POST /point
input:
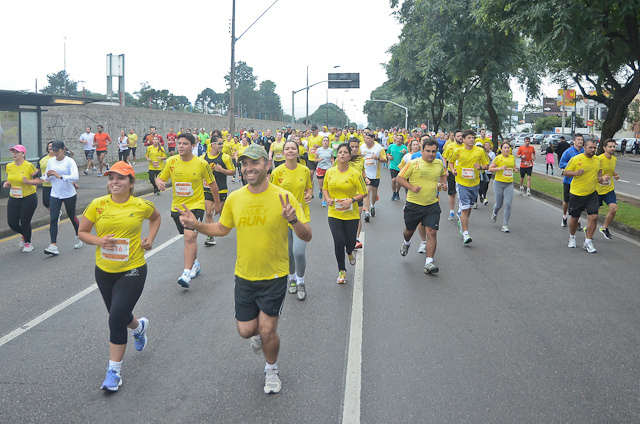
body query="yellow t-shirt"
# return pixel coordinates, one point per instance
(240, 149)
(277, 148)
(464, 160)
(313, 143)
(224, 134)
(133, 140)
(14, 176)
(510, 163)
(608, 168)
(301, 152)
(426, 175)
(124, 221)
(587, 183)
(482, 140)
(260, 228)
(295, 181)
(344, 185)
(449, 149)
(186, 178)
(43, 169)
(153, 154)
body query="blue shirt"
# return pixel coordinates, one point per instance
(566, 157)
(419, 154)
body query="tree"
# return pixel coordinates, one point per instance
(548, 123)
(386, 115)
(207, 101)
(61, 85)
(246, 95)
(269, 101)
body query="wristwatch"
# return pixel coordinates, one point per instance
(293, 221)
(353, 200)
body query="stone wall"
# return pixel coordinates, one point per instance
(68, 122)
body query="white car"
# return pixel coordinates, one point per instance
(630, 143)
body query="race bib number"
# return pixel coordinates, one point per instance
(155, 163)
(369, 161)
(527, 163)
(184, 189)
(507, 173)
(119, 252)
(312, 151)
(16, 192)
(278, 156)
(341, 209)
(468, 173)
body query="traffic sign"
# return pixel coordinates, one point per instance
(423, 126)
(449, 118)
(342, 80)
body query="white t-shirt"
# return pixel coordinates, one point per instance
(89, 139)
(371, 166)
(123, 144)
(325, 154)
(62, 188)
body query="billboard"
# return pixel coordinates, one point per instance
(344, 80)
(569, 97)
(550, 104)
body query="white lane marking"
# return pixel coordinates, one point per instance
(623, 181)
(353, 383)
(70, 301)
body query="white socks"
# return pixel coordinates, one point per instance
(407, 243)
(116, 366)
(268, 366)
(138, 329)
(428, 261)
(299, 280)
(465, 233)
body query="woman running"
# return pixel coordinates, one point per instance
(295, 178)
(121, 268)
(61, 172)
(549, 156)
(503, 166)
(42, 168)
(23, 199)
(342, 188)
(156, 157)
(324, 160)
(123, 147)
(485, 176)
(276, 152)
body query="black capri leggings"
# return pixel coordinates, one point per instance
(19, 214)
(123, 155)
(46, 196)
(54, 213)
(152, 179)
(344, 234)
(120, 292)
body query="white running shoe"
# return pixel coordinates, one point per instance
(494, 218)
(256, 344)
(28, 247)
(52, 250)
(195, 270)
(466, 239)
(272, 383)
(185, 279)
(572, 243)
(78, 243)
(588, 246)
(423, 247)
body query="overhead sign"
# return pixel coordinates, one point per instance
(569, 97)
(344, 80)
(549, 104)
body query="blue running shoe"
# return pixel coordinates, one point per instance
(452, 216)
(320, 194)
(141, 337)
(113, 381)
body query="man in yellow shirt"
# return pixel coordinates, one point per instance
(586, 171)
(449, 147)
(606, 190)
(423, 177)
(314, 141)
(483, 137)
(261, 212)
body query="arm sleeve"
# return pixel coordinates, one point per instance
(564, 160)
(73, 171)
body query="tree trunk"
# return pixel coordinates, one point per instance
(460, 112)
(618, 104)
(493, 118)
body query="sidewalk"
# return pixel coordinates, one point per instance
(91, 187)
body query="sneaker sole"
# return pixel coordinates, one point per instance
(112, 389)
(293, 290)
(52, 253)
(183, 284)
(433, 271)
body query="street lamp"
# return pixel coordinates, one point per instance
(406, 110)
(293, 93)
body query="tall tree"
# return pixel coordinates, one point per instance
(207, 101)
(269, 101)
(60, 84)
(386, 115)
(246, 95)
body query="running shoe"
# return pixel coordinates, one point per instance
(352, 258)
(580, 227)
(466, 239)
(404, 249)
(564, 222)
(195, 270)
(505, 229)
(373, 211)
(572, 243)
(324, 204)
(21, 241)
(94, 168)
(233, 180)
(86, 172)
(140, 339)
(302, 292)
(367, 217)
(78, 243)
(452, 216)
(293, 288)
(431, 268)
(210, 241)
(393, 197)
(113, 381)
(423, 247)
(605, 232)
(256, 344)
(320, 194)
(521, 191)
(588, 246)
(28, 247)
(486, 202)
(99, 174)
(358, 244)
(272, 383)
(185, 279)
(52, 250)
(494, 218)
(475, 205)
(342, 277)
(481, 199)
(107, 165)
(529, 192)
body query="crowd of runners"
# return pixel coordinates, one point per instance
(276, 174)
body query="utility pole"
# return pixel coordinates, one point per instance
(232, 74)
(306, 120)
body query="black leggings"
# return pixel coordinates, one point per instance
(120, 292)
(123, 155)
(152, 179)
(344, 234)
(54, 213)
(46, 196)
(19, 214)
(484, 184)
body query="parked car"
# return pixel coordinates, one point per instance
(537, 138)
(630, 142)
(519, 140)
(555, 139)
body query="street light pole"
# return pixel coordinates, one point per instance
(406, 110)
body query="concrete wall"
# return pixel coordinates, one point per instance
(68, 122)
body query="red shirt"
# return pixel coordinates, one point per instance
(100, 139)
(171, 139)
(526, 156)
(149, 140)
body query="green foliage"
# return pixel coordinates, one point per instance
(249, 101)
(209, 101)
(337, 117)
(386, 115)
(548, 123)
(60, 84)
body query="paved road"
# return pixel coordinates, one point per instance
(515, 328)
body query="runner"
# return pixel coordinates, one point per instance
(396, 152)
(87, 140)
(101, 141)
(423, 177)
(586, 171)
(123, 147)
(23, 199)
(356, 161)
(485, 176)
(324, 160)
(121, 268)
(466, 164)
(296, 179)
(527, 155)
(61, 172)
(42, 168)
(239, 152)
(171, 141)
(606, 189)
(276, 153)
(260, 280)
(548, 155)
(186, 173)
(570, 152)
(373, 155)
(133, 145)
(221, 166)
(314, 141)
(343, 186)
(451, 178)
(156, 156)
(503, 165)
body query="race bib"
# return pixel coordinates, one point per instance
(468, 173)
(340, 209)
(16, 192)
(184, 189)
(312, 151)
(369, 161)
(278, 156)
(527, 163)
(119, 252)
(507, 173)
(155, 163)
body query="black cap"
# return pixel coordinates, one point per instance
(314, 127)
(57, 145)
